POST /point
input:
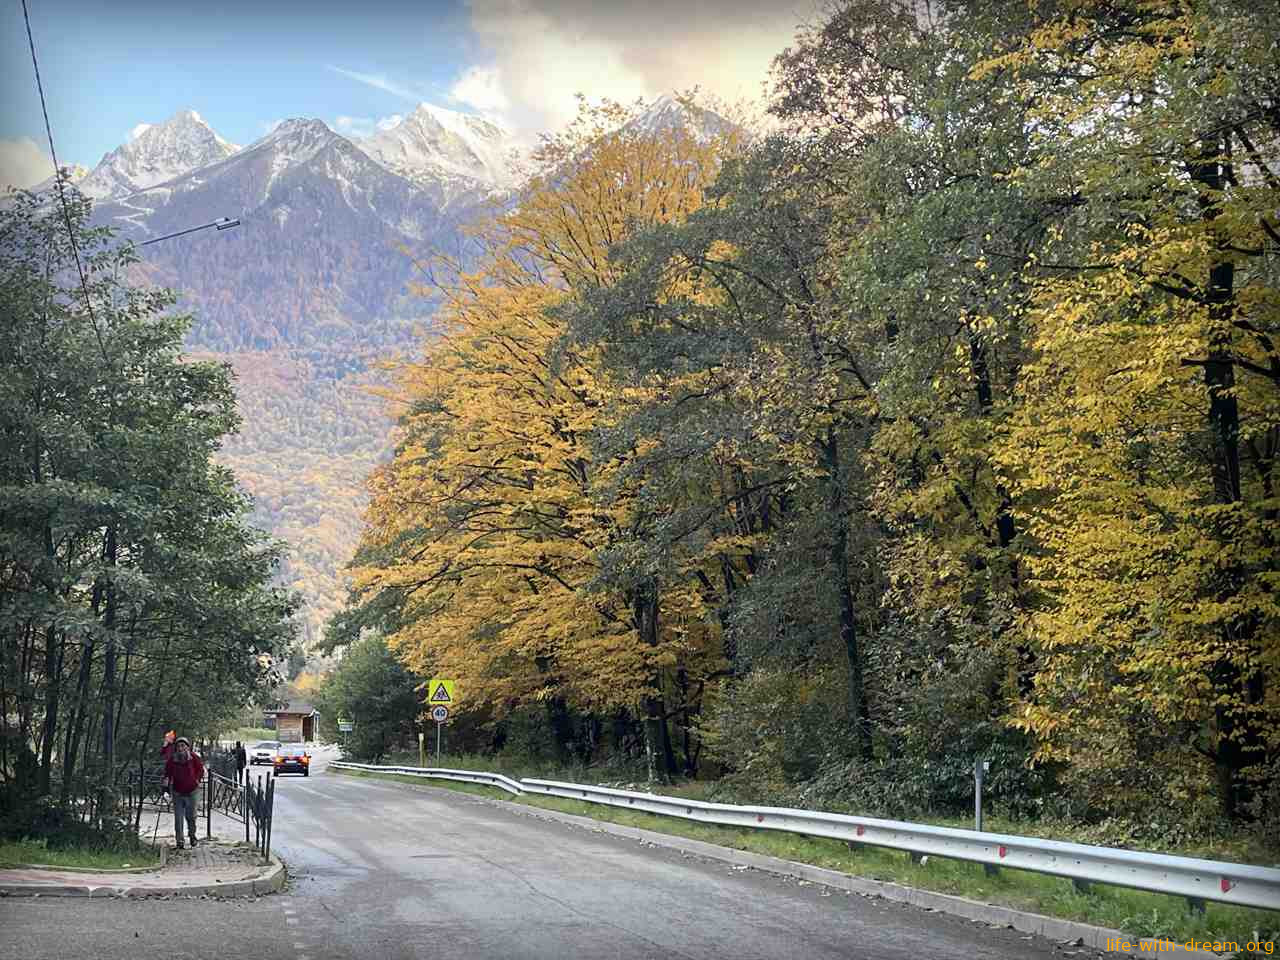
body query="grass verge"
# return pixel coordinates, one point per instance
(1134, 912)
(16, 853)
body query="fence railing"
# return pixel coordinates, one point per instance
(251, 802)
(260, 802)
(1197, 880)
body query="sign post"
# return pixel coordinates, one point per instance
(439, 698)
(422, 750)
(439, 714)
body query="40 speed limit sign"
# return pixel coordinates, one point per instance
(440, 713)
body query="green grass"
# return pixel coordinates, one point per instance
(1133, 912)
(14, 853)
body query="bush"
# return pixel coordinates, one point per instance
(774, 728)
(61, 828)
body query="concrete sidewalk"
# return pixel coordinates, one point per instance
(217, 868)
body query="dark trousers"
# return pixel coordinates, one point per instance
(184, 808)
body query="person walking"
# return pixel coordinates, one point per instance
(184, 771)
(242, 761)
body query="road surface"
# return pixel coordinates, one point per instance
(391, 872)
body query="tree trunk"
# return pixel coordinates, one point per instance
(561, 728)
(109, 664)
(859, 713)
(659, 758)
(53, 679)
(1236, 677)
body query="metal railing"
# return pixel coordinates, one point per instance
(259, 799)
(440, 773)
(1197, 880)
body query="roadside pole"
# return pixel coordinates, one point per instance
(440, 696)
(980, 768)
(422, 749)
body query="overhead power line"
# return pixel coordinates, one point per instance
(57, 179)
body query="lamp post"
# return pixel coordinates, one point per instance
(222, 223)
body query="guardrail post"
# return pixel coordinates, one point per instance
(980, 767)
(1196, 905)
(1081, 886)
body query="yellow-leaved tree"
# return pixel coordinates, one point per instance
(1143, 451)
(487, 524)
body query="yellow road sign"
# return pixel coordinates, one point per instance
(440, 691)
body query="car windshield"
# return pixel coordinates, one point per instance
(267, 745)
(292, 751)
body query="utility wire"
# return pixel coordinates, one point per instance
(57, 178)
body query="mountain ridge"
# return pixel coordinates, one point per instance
(158, 153)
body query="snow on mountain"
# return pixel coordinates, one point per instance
(155, 154)
(454, 153)
(667, 112)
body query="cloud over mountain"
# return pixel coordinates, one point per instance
(583, 46)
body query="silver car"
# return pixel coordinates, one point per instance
(264, 752)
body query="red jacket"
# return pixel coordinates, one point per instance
(186, 777)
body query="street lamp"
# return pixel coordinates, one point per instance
(222, 223)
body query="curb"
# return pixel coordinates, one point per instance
(105, 871)
(269, 882)
(1070, 932)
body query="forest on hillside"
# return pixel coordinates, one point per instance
(941, 425)
(313, 426)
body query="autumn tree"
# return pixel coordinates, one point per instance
(489, 517)
(1145, 443)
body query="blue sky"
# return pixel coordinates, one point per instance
(108, 65)
(240, 65)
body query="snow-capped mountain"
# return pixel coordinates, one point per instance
(319, 255)
(157, 153)
(450, 153)
(667, 112)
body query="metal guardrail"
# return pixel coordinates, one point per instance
(439, 773)
(1198, 880)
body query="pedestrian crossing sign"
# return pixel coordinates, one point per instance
(439, 691)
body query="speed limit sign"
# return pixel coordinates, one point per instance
(440, 713)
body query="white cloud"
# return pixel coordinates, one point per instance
(379, 81)
(354, 126)
(138, 131)
(481, 88)
(542, 53)
(23, 163)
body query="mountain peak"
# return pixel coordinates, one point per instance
(299, 126)
(156, 153)
(443, 146)
(668, 112)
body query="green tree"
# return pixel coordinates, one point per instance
(133, 594)
(372, 688)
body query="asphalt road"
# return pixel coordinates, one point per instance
(392, 872)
